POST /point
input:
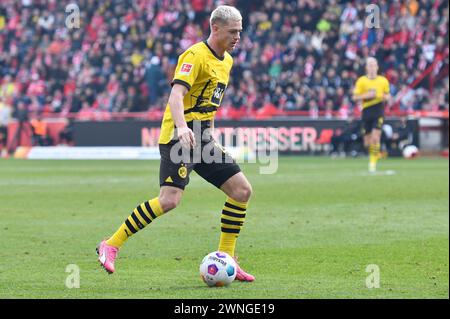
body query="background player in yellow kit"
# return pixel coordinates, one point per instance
(373, 91)
(199, 84)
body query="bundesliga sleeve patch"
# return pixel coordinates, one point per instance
(186, 69)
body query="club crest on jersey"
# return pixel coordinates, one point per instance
(182, 172)
(186, 68)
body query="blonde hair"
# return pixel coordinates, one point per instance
(223, 14)
(371, 59)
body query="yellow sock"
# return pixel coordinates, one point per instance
(374, 153)
(233, 217)
(142, 215)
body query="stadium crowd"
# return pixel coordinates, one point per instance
(300, 55)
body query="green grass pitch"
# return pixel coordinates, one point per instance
(311, 230)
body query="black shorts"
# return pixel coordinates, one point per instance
(372, 118)
(176, 166)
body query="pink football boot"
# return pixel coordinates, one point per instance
(106, 256)
(241, 275)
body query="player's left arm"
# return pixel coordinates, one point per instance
(386, 91)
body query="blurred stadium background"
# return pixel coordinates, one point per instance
(105, 82)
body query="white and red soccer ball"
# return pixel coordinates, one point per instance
(218, 269)
(410, 152)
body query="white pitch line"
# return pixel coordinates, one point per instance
(381, 173)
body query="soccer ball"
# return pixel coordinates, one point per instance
(410, 152)
(218, 269)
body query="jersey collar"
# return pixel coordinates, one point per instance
(213, 52)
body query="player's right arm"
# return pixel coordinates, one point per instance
(188, 68)
(185, 134)
(386, 91)
(364, 96)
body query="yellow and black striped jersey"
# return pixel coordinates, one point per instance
(206, 77)
(364, 85)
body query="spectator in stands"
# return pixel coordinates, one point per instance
(349, 141)
(290, 99)
(66, 135)
(40, 135)
(324, 49)
(132, 102)
(7, 88)
(397, 137)
(20, 113)
(156, 81)
(5, 116)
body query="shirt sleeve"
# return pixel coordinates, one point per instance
(386, 86)
(188, 68)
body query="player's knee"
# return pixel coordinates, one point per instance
(168, 203)
(169, 197)
(243, 193)
(374, 141)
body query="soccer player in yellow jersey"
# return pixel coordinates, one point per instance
(373, 91)
(199, 84)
